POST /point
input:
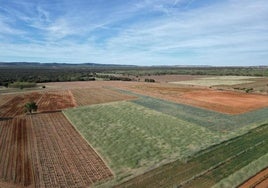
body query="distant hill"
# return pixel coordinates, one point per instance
(51, 65)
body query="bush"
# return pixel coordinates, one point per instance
(31, 107)
(22, 85)
(149, 80)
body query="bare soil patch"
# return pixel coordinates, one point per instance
(15, 152)
(45, 150)
(15, 105)
(260, 180)
(90, 96)
(228, 102)
(46, 101)
(63, 157)
(89, 84)
(56, 100)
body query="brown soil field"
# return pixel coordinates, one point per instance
(228, 102)
(15, 105)
(15, 151)
(5, 98)
(56, 100)
(90, 96)
(90, 84)
(45, 150)
(260, 180)
(64, 158)
(46, 101)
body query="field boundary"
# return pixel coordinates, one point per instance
(104, 161)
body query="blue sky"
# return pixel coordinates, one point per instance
(137, 32)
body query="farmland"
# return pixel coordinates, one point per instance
(15, 153)
(90, 96)
(158, 132)
(46, 101)
(63, 157)
(210, 119)
(131, 132)
(218, 80)
(209, 166)
(258, 181)
(134, 134)
(44, 150)
(228, 102)
(55, 100)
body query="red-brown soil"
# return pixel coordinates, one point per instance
(90, 84)
(45, 150)
(90, 96)
(15, 152)
(5, 97)
(228, 102)
(64, 158)
(55, 100)
(46, 101)
(260, 180)
(15, 105)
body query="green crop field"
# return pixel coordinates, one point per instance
(208, 167)
(133, 138)
(210, 119)
(215, 121)
(137, 136)
(244, 173)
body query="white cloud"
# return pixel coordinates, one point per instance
(227, 33)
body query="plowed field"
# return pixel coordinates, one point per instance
(15, 151)
(90, 96)
(64, 158)
(46, 101)
(44, 150)
(228, 102)
(15, 105)
(56, 100)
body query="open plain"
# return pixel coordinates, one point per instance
(131, 134)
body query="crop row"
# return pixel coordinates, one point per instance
(132, 137)
(45, 150)
(207, 167)
(46, 101)
(15, 105)
(90, 96)
(64, 158)
(15, 159)
(57, 100)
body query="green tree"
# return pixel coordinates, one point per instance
(31, 107)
